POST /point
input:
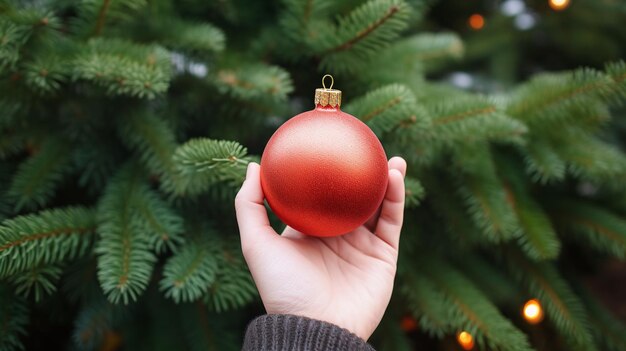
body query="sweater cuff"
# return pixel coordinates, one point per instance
(278, 332)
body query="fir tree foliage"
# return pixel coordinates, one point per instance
(127, 126)
(196, 39)
(386, 108)
(133, 222)
(13, 37)
(201, 163)
(35, 181)
(150, 136)
(431, 48)
(539, 238)
(233, 286)
(94, 16)
(14, 319)
(48, 237)
(456, 304)
(601, 229)
(363, 32)
(188, 275)
(414, 192)
(486, 198)
(123, 68)
(254, 82)
(38, 281)
(608, 332)
(563, 307)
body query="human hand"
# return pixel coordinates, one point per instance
(345, 280)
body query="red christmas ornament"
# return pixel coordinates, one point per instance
(324, 172)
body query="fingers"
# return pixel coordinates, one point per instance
(251, 214)
(398, 163)
(394, 163)
(392, 211)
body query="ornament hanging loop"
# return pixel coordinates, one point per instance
(332, 81)
(328, 96)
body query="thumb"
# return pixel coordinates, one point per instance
(254, 226)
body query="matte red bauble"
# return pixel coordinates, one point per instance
(324, 172)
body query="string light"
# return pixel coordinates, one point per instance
(466, 340)
(533, 312)
(408, 324)
(476, 21)
(559, 5)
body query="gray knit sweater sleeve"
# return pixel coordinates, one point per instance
(279, 332)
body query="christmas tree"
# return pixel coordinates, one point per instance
(125, 131)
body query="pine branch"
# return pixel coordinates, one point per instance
(202, 162)
(471, 119)
(586, 116)
(549, 93)
(101, 17)
(12, 37)
(538, 238)
(93, 16)
(303, 22)
(45, 75)
(427, 304)
(466, 308)
(233, 286)
(563, 308)
(125, 261)
(609, 332)
(37, 281)
(411, 57)
(189, 274)
(414, 192)
(13, 320)
(543, 163)
(594, 160)
(254, 82)
(482, 318)
(124, 68)
(592, 224)
(197, 39)
(35, 181)
(152, 138)
(158, 221)
(617, 72)
(486, 198)
(433, 47)
(49, 237)
(385, 108)
(362, 33)
(206, 155)
(133, 219)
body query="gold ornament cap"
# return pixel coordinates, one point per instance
(328, 96)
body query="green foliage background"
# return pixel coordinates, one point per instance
(126, 127)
